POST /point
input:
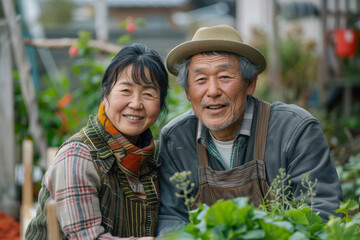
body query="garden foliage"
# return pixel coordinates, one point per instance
(238, 219)
(281, 219)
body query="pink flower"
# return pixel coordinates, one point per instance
(130, 28)
(73, 51)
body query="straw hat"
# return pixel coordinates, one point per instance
(217, 38)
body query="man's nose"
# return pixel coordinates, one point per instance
(213, 88)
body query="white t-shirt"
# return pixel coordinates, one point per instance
(224, 148)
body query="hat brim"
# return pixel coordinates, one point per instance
(189, 48)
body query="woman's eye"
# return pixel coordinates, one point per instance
(151, 94)
(125, 90)
(148, 94)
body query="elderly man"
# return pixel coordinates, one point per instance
(233, 143)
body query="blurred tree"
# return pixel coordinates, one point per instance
(56, 12)
(298, 61)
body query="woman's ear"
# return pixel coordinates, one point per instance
(106, 103)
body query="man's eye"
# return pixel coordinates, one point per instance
(224, 77)
(125, 90)
(200, 79)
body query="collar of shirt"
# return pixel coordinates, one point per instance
(203, 134)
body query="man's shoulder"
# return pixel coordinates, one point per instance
(290, 111)
(181, 122)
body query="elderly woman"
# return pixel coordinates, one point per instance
(104, 178)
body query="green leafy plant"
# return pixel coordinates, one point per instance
(349, 174)
(130, 25)
(349, 205)
(56, 12)
(298, 63)
(281, 196)
(239, 219)
(183, 184)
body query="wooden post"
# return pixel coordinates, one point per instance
(7, 131)
(53, 229)
(101, 26)
(323, 64)
(274, 62)
(27, 188)
(27, 87)
(347, 99)
(51, 152)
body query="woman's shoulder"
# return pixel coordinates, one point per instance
(73, 159)
(73, 149)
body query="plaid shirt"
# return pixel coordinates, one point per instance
(96, 197)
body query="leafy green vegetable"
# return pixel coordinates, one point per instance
(239, 219)
(336, 229)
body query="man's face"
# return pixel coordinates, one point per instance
(217, 93)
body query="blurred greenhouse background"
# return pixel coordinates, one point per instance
(53, 54)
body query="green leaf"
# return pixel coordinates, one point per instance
(298, 236)
(297, 217)
(254, 234)
(303, 216)
(124, 39)
(335, 229)
(259, 214)
(316, 227)
(284, 224)
(203, 210)
(140, 22)
(123, 24)
(241, 202)
(239, 230)
(275, 232)
(221, 213)
(356, 218)
(350, 204)
(180, 235)
(220, 232)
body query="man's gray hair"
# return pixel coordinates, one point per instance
(247, 68)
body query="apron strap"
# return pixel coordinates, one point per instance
(202, 154)
(261, 129)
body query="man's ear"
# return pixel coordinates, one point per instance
(251, 86)
(188, 95)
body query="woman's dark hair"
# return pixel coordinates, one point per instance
(140, 57)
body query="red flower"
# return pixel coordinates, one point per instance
(64, 101)
(73, 51)
(130, 28)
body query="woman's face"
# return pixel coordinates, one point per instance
(132, 108)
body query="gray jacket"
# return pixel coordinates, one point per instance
(295, 142)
